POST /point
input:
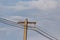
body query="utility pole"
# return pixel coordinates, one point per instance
(26, 22)
(26, 27)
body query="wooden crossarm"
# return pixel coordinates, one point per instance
(28, 22)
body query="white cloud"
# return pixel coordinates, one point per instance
(17, 18)
(8, 30)
(39, 4)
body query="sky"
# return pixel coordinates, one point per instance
(45, 12)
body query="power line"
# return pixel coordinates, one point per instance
(8, 22)
(11, 23)
(45, 34)
(42, 32)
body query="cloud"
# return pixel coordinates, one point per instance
(8, 33)
(17, 18)
(39, 4)
(7, 30)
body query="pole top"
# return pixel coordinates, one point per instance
(26, 20)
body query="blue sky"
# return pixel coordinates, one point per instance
(45, 12)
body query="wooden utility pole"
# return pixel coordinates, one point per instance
(26, 27)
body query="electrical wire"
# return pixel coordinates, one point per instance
(43, 33)
(8, 22)
(38, 29)
(11, 23)
(47, 34)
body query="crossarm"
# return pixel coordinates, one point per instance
(28, 22)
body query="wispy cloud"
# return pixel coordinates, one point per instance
(17, 18)
(39, 4)
(48, 20)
